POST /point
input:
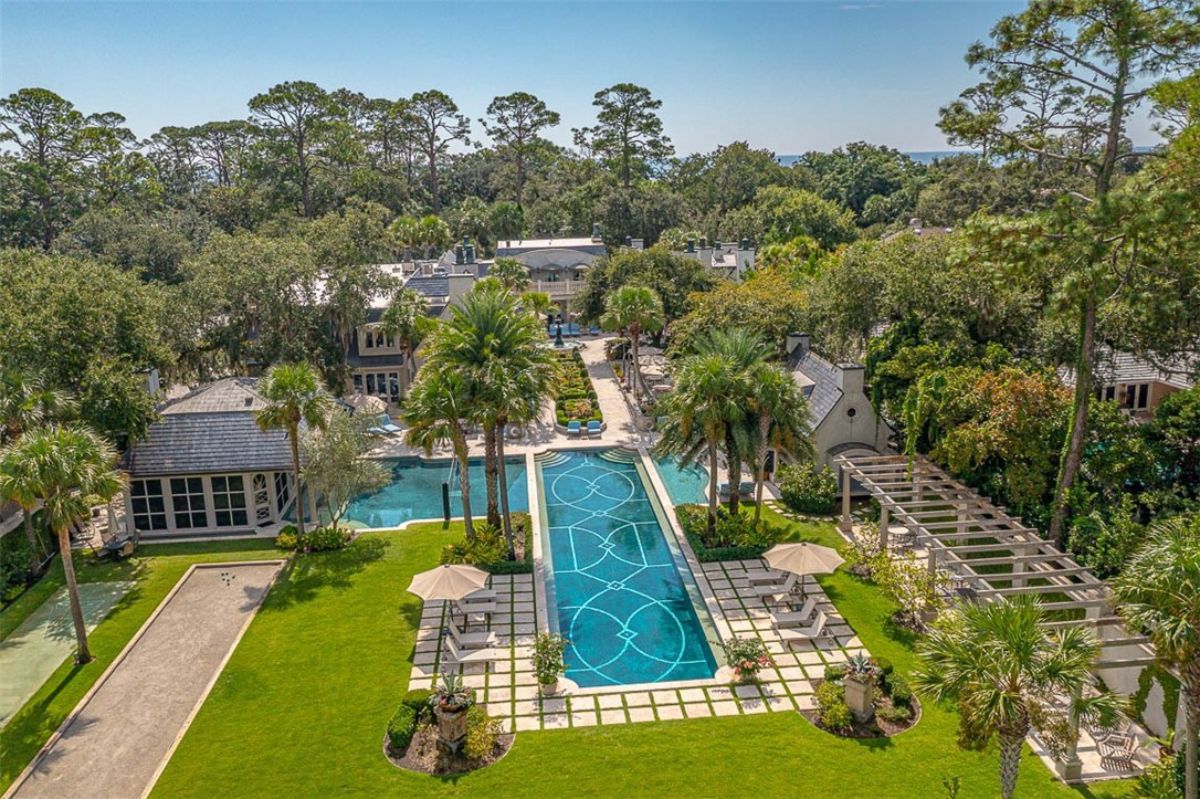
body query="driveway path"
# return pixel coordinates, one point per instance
(118, 738)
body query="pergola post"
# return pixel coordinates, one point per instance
(846, 524)
(1070, 767)
(884, 523)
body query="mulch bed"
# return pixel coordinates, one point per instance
(876, 727)
(424, 756)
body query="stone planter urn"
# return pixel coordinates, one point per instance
(549, 687)
(452, 727)
(860, 697)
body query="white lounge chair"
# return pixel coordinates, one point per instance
(471, 640)
(795, 618)
(774, 588)
(485, 656)
(813, 632)
(764, 577)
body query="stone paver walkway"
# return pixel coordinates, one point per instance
(509, 689)
(116, 741)
(46, 638)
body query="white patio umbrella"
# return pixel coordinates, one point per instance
(448, 581)
(803, 558)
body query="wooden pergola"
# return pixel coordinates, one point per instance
(988, 553)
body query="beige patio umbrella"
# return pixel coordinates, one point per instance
(366, 404)
(803, 558)
(448, 581)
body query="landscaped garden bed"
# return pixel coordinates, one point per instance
(489, 549)
(736, 537)
(574, 396)
(444, 732)
(864, 698)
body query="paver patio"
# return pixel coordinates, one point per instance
(116, 741)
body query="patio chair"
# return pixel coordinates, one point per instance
(795, 618)
(1119, 747)
(813, 632)
(485, 656)
(777, 592)
(769, 577)
(574, 428)
(387, 426)
(467, 640)
(593, 429)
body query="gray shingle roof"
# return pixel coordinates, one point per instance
(225, 395)
(820, 384)
(194, 443)
(1113, 366)
(430, 286)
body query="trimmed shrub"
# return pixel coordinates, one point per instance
(837, 716)
(884, 665)
(898, 688)
(835, 672)
(482, 732)
(418, 700)
(286, 540)
(489, 550)
(897, 714)
(829, 693)
(807, 490)
(401, 728)
(323, 539)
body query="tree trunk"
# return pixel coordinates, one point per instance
(1010, 762)
(634, 365)
(760, 476)
(712, 487)
(733, 460)
(1077, 431)
(293, 435)
(35, 562)
(464, 482)
(505, 517)
(435, 197)
(82, 653)
(1191, 733)
(491, 473)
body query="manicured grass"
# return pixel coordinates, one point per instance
(302, 705)
(155, 570)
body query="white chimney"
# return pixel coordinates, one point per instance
(851, 379)
(798, 344)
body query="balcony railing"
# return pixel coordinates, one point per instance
(558, 289)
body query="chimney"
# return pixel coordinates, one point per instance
(691, 246)
(596, 236)
(459, 255)
(470, 253)
(850, 379)
(706, 253)
(629, 242)
(458, 285)
(798, 344)
(153, 383)
(637, 244)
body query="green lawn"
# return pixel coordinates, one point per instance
(155, 570)
(301, 708)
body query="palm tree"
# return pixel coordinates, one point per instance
(486, 335)
(633, 310)
(704, 400)
(25, 403)
(1002, 663)
(294, 396)
(406, 319)
(512, 273)
(781, 413)
(537, 303)
(68, 469)
(1159, 591)
(438, 406)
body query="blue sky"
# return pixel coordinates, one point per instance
(788, 76)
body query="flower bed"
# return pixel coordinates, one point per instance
(737, 538)
(574, 396)
(489, 549)
(895, 706)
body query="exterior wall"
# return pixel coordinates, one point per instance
(840, 428)
(262, 504)
(1155, 393)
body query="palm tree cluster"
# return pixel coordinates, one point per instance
(485, 367)
(63, 469)
(631, 311)
(732, 399)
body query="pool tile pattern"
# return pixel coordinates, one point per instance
(509, 689)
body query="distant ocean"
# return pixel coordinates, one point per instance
(920, 156)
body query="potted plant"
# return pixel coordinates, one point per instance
(859, 680)
(548, 665)
(450, 704)
(746, 656)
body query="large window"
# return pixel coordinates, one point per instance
(187, 494)
(229, 501)
(149, 509)
(283, 490)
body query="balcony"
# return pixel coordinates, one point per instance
(558, 289)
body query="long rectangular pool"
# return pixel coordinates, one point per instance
(619, 588)
(415, 492)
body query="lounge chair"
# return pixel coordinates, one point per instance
(387, 426)
(813, 632)
(795, 618)
(593, 429)
(764, 577)
(777, 588)
(486, 656)
(471, 640)
(574, 428)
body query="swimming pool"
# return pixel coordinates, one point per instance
(686, 484)
(618, 586)
(415, 492)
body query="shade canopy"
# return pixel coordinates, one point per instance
(803, 558)
(365, 403)
(449, 581)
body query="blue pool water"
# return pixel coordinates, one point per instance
(415, 492)
(685, 484)
(619, 589)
